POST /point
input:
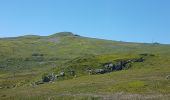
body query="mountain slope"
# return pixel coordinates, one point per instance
(68, 46)
(25, 59)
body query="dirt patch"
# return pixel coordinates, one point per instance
(54, 39)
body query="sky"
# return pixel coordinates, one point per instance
(122, 20)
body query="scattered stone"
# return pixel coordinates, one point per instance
(168, 77)
(62, 74)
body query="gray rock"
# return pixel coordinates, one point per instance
(100, 71)
(168, 77)
(62, 74)
(90, 71)
(109, 67)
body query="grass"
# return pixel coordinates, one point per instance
(24, 60)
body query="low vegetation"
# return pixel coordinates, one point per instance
(66, 66)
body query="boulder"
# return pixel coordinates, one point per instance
(109, 67)
(100, 71)
(45, 79)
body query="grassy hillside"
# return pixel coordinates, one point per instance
(24, 60)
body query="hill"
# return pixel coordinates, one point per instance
(25, 60)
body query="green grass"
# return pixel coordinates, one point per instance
(24, 60)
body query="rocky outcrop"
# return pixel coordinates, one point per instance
(119, 64)
(122, 64)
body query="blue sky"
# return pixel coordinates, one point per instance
(124, 20)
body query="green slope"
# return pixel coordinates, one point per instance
(25, 59)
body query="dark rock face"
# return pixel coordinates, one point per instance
(118, 66)
(45, 79)
(109, 67)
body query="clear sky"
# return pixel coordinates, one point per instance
(125, 20)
